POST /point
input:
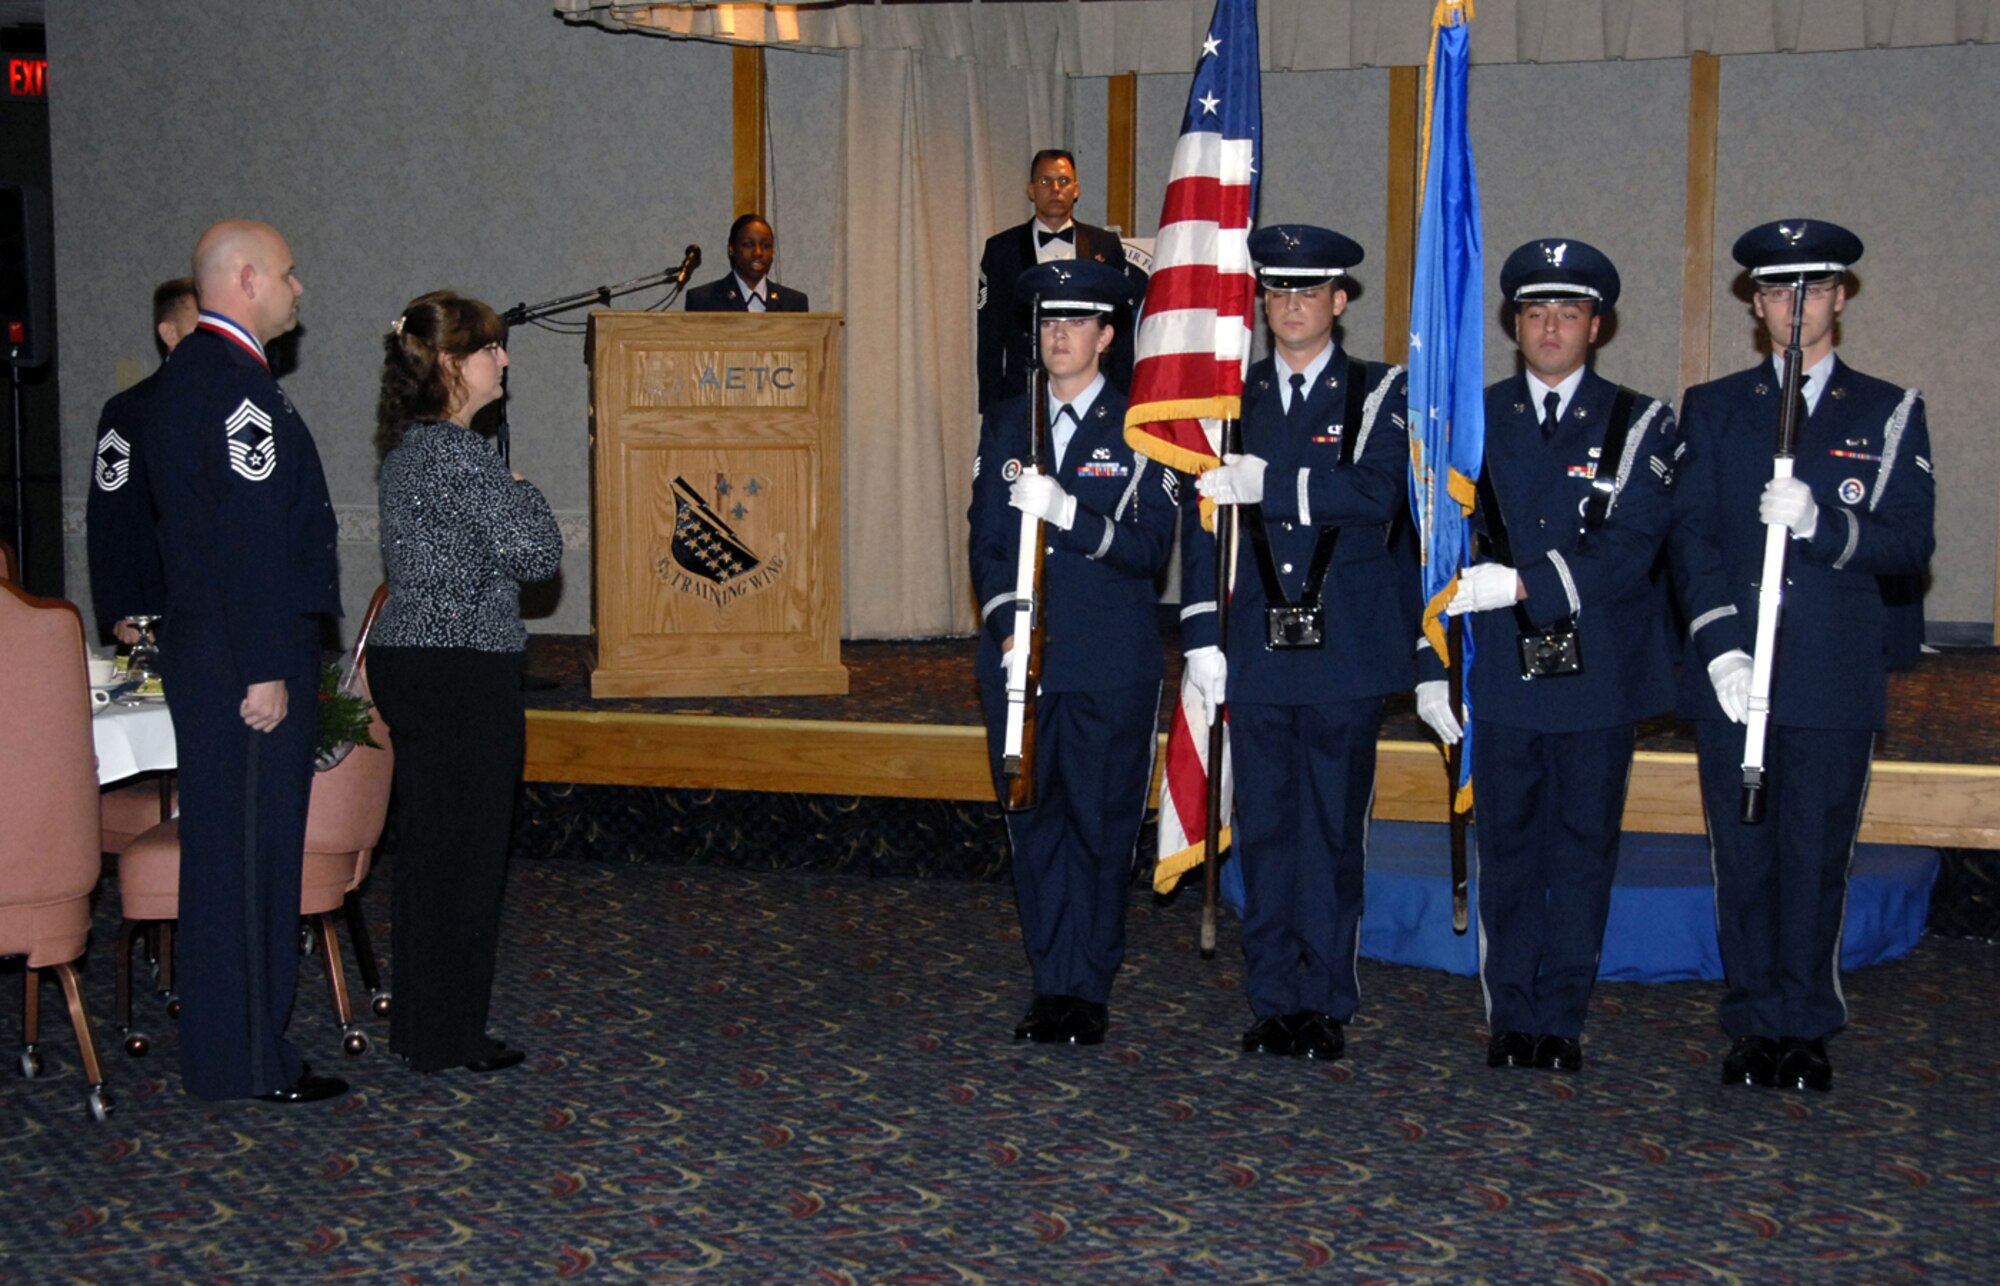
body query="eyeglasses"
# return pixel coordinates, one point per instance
(1060, 182)
(1817, 291)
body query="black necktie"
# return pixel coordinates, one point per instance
(1070, 411)
(1067, 234)
(1295, 414)
(1550, 401)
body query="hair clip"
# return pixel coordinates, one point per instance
(396, 327)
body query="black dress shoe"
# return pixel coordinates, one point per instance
(1084, 1022)
(1317, 1036)
(1268, 1036)
(1558, 1052)
(1803, 1065)
(1511, 1049)
(1042, 1020)
(1752, 1060)
(307, 1089)
(503, 1057)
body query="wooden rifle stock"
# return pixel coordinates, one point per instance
(1024, 661)
(1771, 588)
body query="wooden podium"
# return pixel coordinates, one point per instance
(715, 497)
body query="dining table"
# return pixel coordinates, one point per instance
(133, 737)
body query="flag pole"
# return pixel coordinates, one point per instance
(1226, 527)
(1454, 761)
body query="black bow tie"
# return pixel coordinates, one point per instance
(1067, 234)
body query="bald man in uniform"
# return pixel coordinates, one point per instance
(247, 537)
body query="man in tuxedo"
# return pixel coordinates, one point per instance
(1004, 342)
(748, 287)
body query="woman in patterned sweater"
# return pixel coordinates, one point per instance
(460, 533)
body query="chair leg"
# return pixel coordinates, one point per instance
(31, 1023)
(353, 1041)
(101, 1102)
(127, 930)
(166, 945)
(364, 954)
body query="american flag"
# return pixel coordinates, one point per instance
(1194, 342)
(1194, 345)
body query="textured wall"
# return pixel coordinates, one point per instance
(489, 147)
(1901, 146)
(477, 145)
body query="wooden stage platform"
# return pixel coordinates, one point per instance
(909, 728)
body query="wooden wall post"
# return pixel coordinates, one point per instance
(747, 118)
(1698, 238)
(1121, 153)
(1405, 152)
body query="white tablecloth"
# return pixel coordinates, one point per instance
(132, 739)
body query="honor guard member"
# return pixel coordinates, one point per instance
(748, 287)
(247, 540)
(1859, 507)
(125, 578)
(1573, 642)
(1004, 343)
(1109, 517)
(1319, 633)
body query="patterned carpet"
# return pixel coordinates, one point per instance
(739, 1076)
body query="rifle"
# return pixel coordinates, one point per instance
(1771, 591)
(1024, 661)
(1228, 529)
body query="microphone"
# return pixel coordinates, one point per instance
(689, 262)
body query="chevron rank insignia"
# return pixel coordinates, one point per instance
(114, 461)
(253, 448)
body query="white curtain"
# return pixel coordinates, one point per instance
(1110, 37)
(936, 155)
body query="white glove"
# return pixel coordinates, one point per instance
(1730, 676)
(1434, 708)
(1208, 670)
(1787, 502)
(1042, 497)
(1238, 480)
(1482, 588)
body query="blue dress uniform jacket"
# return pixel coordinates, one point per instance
(1781, 886)
(1367, 652)
(1005, 348)
(1552, 755)
(1303, 723)
(247, 537)
(125, 575)
(1865, 452)
(1625, 636)
(725, 296)
(1097, 711)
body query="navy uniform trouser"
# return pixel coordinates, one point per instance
(1073, 851)
(1781, 885)
(1305, 783)
(243, 797)
(1549, 809)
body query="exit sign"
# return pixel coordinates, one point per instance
(27, 77)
